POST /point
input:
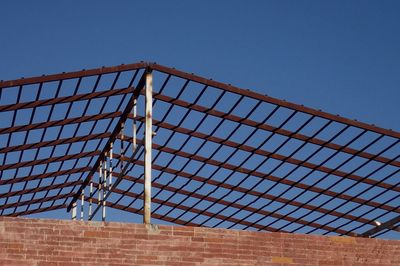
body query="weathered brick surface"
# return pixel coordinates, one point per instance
(57, 242)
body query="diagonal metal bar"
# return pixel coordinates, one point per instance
(35, 201)
(72, 75)
(39, 189)
(59, 122)
(54, 142)
(44, 175)
(50, 160)
(45, 209)
(114, 134)
(65, 99)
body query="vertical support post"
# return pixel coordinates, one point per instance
(103, 216)
(148, 146)
(111, 168)
(121, 163)
(82, 203)
(100, 190)
(73, 213)
(91, 198)
(134, 146)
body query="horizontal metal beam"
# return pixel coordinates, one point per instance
(39, 189)
(35, 201)
(43, 176)
(268, 99)
(65, 99)
(45, 209)
(54, 142)
(63, 122)
(49, 160)
(72, 75)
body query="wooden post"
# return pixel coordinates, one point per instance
(148, 147)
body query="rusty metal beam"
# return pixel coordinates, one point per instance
(34, 201)
(59, 122)
(49, 160)
(54, 142)
(268, 99)
(72, 75)
(66, 99)
(56, 207)
(39, 189)
(44, 175)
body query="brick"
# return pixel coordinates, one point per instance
(56, 242)
(284, 260)
(343, 239)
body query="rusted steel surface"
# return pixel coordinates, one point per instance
(55, 123)
(49, 160)
(44, 175)
(55, 142)
(28, 202)
(66, 99)
(72, 75)
(39, 189)
(45, 209)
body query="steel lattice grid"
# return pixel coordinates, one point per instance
(224, 158)
(199, 181)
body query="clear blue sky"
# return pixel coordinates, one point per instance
(340, 56)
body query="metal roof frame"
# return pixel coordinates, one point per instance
(224, 156)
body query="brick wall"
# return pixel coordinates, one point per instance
(57, 242)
